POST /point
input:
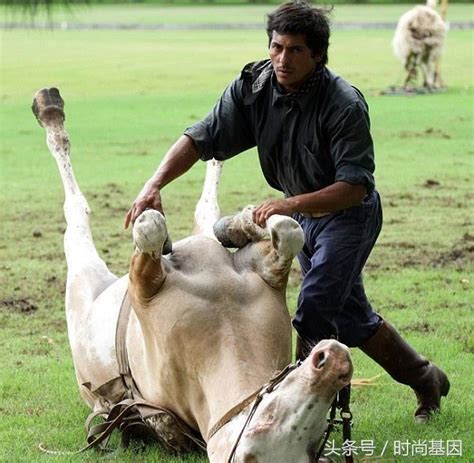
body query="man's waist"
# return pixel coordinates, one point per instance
(318, 215)
(314, 215)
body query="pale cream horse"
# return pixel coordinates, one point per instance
(206, 329)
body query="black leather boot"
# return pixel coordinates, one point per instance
(408, 367)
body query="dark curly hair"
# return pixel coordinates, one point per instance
(299, 17)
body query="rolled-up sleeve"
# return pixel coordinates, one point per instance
(225, 131)
(351, 145)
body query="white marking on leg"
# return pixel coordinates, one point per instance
(207, 210)
(76, 209)
(88, 275)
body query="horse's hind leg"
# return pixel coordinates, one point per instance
(88, 275)
(276, 244)
(207, 211)
(238, 230)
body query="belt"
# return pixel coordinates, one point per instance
(314, 215)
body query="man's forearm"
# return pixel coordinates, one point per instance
(339, 195)
(178, 160)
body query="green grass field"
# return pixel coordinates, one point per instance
(128, 95)
(201, 13)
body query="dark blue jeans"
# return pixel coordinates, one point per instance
(332, 301)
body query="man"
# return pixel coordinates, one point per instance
(312, 132)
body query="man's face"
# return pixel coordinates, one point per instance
(292, 60)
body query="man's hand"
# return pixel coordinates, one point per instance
(270, 207)
(149, 198)
(335, 197)
(179, 158)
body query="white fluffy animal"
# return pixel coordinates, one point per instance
(418, 43)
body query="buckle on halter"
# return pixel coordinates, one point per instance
(346, 415)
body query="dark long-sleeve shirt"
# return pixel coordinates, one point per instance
(305, 142)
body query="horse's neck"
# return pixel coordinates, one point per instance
(230, 388)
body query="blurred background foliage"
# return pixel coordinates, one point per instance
(48, 3)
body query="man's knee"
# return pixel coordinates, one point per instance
(349, 320)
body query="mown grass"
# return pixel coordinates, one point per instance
(128, 96)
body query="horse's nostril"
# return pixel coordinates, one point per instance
(322, 359)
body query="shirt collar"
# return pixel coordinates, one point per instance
(263, 77)
(300, 96)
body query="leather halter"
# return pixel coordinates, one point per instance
(341, 401)
(255, 397)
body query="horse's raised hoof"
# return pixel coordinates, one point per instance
(150, 232)
(48, 107)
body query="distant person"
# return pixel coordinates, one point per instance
(312, 132)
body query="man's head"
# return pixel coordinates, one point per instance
(300, 18)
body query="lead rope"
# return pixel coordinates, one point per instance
(340, 401)
(265, 389)
(330, 427)
(344, 398)
(247, 421)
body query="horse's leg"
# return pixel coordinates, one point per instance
(91, 332)
(236, 231)
(207, 210)
(87, 274)
(147, 272)
(275, 245)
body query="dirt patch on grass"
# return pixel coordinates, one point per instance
(108, 201)
(419, 327)
(467, 344)
(430, 183)
(461, 254)
(406, 254)
(21, 305)
(429, 132)
(55, 283)
(51, 256)
(431, 192)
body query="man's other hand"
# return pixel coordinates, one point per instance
(149, 198)
(270, 207)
